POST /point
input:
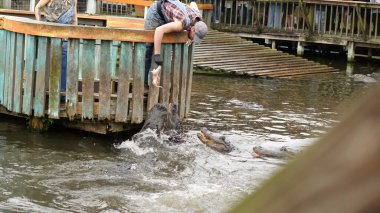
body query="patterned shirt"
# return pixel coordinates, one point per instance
(172, 11)
(55, 9)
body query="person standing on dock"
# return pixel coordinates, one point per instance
(168, 16)
(63, 12)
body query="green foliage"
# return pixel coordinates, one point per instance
(39, 124)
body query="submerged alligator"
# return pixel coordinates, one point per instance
(370, 78)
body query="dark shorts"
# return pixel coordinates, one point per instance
(153, 19)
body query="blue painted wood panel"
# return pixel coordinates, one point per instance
(138, 83)
(183, 81)
(81, 57)
(107, 60)
(2, 63)
(29, 74)
(124, 75)
(88, 66)
(97, 57)
(55, 77)
(6, 70)
(11, 71)
(176, 70)
(190, 78)
(19, 68)
(114, 49)
(72, 78)
(40, 92)
(166, 74)
(154, 92)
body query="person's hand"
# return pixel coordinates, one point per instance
(157, 59)
(188, 42)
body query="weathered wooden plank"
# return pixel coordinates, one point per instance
(166, 74)
(55, 77)
(114, 50)
(256, 67)
(125, 72)
(153, 91)
(259, 64)
(237, 57)
(138, 83)
(29, 74)
(227, 51)
(105, 72)
(88, 67)
(2, 63)
(183, 81)
(72, 78)
(6, 70)
(190, 78)
(97, 57)
(32, 27)
(39, 98)
(19, 67)
(11, 71)
(177, 53)
(81, 56)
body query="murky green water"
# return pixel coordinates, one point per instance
(67, 171)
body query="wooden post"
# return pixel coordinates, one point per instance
(370, 54)
(208, 17)
(300, 48)
(7, 4)
(91, 7)
(350, 69)
(145, 11)
(32, 5)
(274, 45)
(350, 51)
(98, 7)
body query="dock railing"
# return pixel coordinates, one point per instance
(353, 19)
(105, 72)
(127, 8)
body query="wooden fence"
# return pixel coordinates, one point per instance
(105, 72)
(355, 19)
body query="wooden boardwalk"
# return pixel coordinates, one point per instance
(232, 54)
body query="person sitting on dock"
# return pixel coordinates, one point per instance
(167, 16)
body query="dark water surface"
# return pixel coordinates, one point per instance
(67, 171)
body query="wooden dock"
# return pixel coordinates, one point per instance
(104, 90)
(232, 54)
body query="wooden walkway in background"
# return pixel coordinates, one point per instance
(232, 54)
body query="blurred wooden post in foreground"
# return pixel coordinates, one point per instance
(340, 173)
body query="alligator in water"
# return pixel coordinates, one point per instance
(165, 120)
(215, 141)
